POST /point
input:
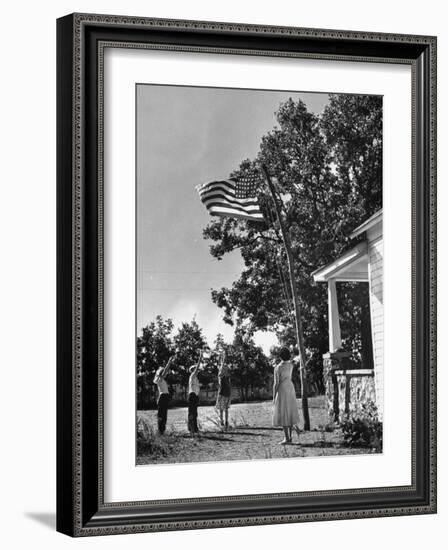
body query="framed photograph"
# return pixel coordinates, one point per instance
(246, 274)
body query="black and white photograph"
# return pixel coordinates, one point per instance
(259, 274)
(223, 237)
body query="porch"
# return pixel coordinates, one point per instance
(347, 383)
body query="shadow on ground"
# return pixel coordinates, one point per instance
(48, 519)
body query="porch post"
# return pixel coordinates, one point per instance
(334, 329)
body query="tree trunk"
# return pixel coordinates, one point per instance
(295, 299)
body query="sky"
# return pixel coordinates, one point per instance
(187, 136)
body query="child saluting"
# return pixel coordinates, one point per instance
(194, 390)
(164, 395)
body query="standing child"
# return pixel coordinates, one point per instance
(286, 412)
(164, 395)
(224, 392)
(194, 390)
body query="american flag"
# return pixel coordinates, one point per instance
(234, 197)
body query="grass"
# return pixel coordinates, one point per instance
(250, 436)
(149, 442)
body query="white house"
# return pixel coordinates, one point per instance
(362, 263)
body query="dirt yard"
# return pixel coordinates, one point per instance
(250, 436)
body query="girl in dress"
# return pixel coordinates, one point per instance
(286, 412)
(224, 392)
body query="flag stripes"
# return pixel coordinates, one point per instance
(230, 198)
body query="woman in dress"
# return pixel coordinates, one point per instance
(224, 392)
(286, 412)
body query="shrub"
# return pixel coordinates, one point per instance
(148, 441)
(362, 427)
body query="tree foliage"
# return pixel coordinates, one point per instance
(154, 348)
(250, 368)
(188, 342)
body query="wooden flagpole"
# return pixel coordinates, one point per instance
(295, 298)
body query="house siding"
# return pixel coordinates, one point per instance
(376, 309)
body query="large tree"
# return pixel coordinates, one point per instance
(328, 172)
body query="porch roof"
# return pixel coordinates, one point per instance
(373, 221)
(351, 266)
